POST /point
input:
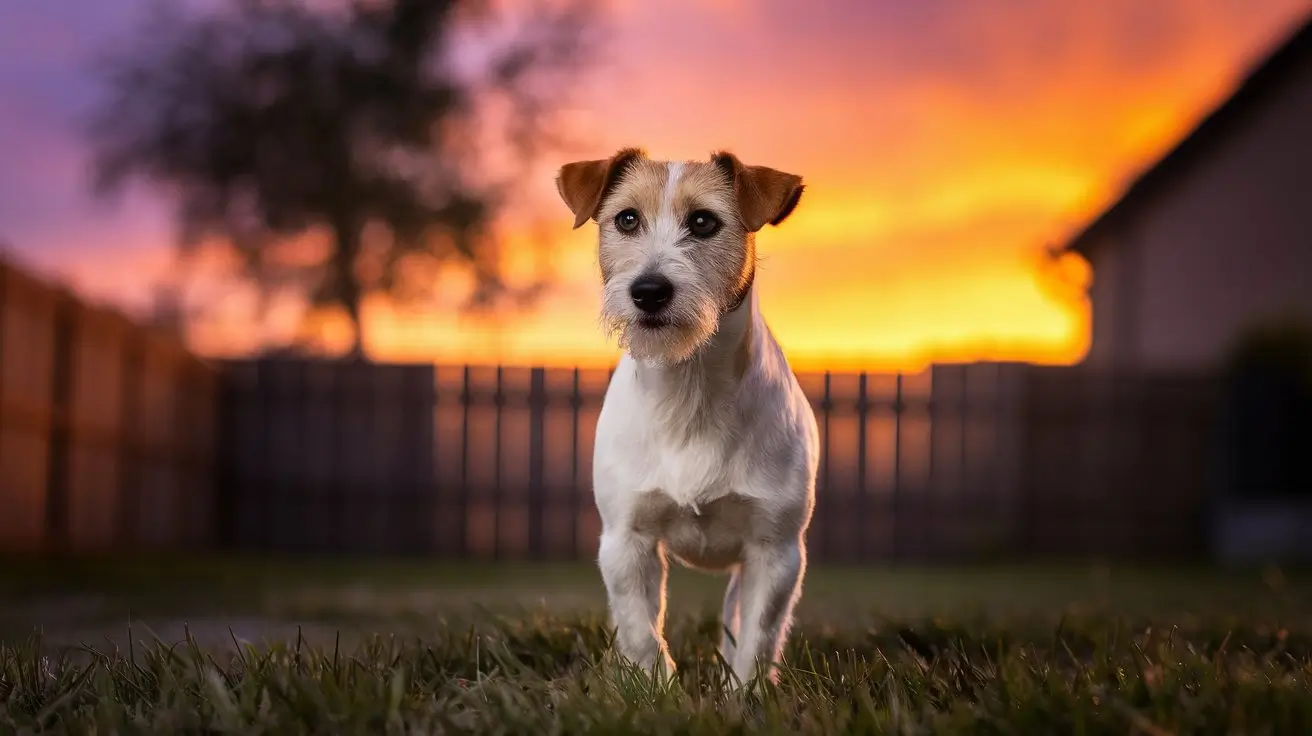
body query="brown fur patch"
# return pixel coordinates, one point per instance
(584, 184)
(639, 186)
(766, 196)
(699, 180)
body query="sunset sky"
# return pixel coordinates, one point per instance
(944, 143)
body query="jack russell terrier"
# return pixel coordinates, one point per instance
(706, 448)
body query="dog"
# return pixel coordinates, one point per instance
(706, 448)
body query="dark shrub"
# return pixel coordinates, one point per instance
(1269, 378)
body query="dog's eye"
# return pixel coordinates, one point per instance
(703, 224)
(627, 221)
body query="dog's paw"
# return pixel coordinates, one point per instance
(754, 677)
(663, 669)
(658, 667)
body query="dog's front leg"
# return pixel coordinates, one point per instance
(634, 569)
(729, 616)
(771, 581)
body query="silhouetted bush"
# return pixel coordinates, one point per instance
(1269, 376)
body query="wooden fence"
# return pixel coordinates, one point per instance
(960, 462)
(106, 428)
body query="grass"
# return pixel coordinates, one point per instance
(416, 648)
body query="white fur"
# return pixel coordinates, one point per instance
(702, 458)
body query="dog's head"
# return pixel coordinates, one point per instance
(677, 241)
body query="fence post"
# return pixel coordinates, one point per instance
(862, 502)
(465, 398)
(498, 401)
(4, 413)
(537, 403)
(1028, 486)
(898, 410)
(224, 459)
(575, 403)
(268, 486)
(60, 429)
(966, 412)
(129, 454)
(200, 458)
(179, 449)
(825, 405)
(424, 474)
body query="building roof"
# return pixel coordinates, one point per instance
(1263, 83)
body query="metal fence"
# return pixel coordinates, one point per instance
(969, 461)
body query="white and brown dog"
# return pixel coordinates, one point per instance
(706, 448)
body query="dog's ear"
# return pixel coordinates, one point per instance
(766, 196)
(584, 184)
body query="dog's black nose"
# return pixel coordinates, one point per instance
(651, 293)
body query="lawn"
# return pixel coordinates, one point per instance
(250, 646)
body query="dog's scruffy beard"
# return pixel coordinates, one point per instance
(672, 337)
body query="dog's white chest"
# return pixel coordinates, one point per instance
(632, 453)
(691, 475)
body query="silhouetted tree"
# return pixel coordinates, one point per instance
(271, 121)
